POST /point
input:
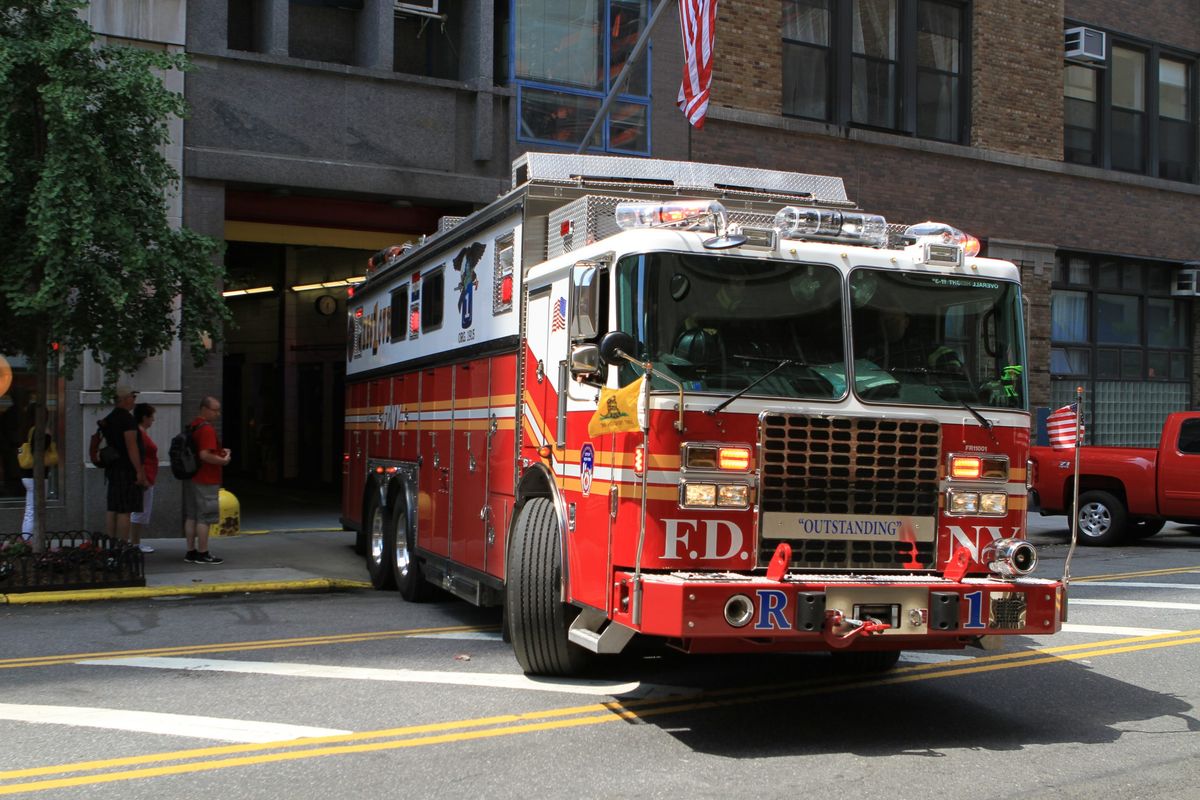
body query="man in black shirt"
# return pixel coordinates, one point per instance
(127, 476)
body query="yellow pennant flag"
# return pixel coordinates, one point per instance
(617, 412)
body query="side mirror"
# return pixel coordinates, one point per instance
(585, 360)
(614, 341)
(585, 300)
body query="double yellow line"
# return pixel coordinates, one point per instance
(225, 757)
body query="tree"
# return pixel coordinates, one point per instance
(89, 260)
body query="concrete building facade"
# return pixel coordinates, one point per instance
(323, 130)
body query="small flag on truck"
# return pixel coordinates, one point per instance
(1060, 427)
(618, 410)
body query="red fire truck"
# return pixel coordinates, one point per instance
(821, 444)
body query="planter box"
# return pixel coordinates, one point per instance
(71, 560)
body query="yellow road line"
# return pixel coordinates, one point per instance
(1140, 574)
(580, 716)
(264, 644)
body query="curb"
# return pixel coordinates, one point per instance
(143, 592)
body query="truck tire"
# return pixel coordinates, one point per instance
(867, 661)
(1101, 519)
(398, 544)
(538, 620)
(1145, 528)
(375, 523)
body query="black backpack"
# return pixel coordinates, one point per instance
(101, 453)
(185, 459)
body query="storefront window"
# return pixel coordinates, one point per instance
(18, 402)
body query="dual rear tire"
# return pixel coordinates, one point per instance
(391, 557)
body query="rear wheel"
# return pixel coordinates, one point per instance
(398, 543)
(537, 618)
(375, 523)
(1145, 528)
(1101, 519)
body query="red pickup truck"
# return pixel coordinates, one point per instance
(1125, 493)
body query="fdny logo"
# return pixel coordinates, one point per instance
(721, 539)
(974, 539)
(587, 463)
(465, 263)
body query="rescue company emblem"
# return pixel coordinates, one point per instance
(587, 463)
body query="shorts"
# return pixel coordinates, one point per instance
(143, 517)
(124, 495)
(202, 502)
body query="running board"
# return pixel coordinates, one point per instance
(590, 631)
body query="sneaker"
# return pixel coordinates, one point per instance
(207, 558)
(145, 548)
(191, 556)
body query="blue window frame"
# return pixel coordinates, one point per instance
(566, 56)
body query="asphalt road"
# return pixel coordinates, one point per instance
(206, 697)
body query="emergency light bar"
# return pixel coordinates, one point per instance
(943, 244)
(696, 215)
(794, 222)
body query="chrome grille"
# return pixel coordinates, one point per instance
(849, 465)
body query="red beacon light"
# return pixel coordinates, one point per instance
(943, 244)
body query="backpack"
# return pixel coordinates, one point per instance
(100, 452)
(185, 459)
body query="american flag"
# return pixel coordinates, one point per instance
(698, 22)
(1061, 427)
(559, 321)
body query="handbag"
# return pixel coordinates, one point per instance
(25, 454)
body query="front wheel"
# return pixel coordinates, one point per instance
(537, 618)
(1101, 519)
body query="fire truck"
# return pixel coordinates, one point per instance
(718, 407)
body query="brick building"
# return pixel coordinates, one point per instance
(322, 130)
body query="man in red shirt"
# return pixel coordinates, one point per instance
(201, 494)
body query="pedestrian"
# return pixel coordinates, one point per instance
(126, 476)
(202, 492)
(143, 415)
(49, 458)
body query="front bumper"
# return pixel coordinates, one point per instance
(921, 611)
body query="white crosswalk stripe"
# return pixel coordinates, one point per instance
(218, 728)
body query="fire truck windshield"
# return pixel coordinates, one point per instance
(930, 339)
(719, 324)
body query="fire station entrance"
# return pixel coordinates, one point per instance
(288, 271)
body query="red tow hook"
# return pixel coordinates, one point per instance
(840, 630)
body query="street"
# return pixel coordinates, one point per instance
(210, 696)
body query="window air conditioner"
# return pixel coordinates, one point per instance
(420, 8)
(1084, 44)
(1187, 283)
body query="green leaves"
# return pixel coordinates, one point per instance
(89, 259)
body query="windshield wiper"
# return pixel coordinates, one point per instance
(984, 421)
(785, 362)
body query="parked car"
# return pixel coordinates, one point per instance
(1125, 493)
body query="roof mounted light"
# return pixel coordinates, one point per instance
(696, 215)
(940, 234)
(826, 224)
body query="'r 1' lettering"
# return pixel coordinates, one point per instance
(771, 604)
(974, 610)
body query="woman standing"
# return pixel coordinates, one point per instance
(143, 415)
(27, 474)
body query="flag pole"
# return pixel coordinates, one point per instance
(623, 78)
(1066, 579)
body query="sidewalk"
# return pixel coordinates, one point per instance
(290, 541)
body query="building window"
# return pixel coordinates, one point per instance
(1116, 330)
(897, 65)
(1135, 113)
(567, 55)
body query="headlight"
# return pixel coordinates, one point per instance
(736, 495)
(963, 502)
(699, 494)
(993, 503)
